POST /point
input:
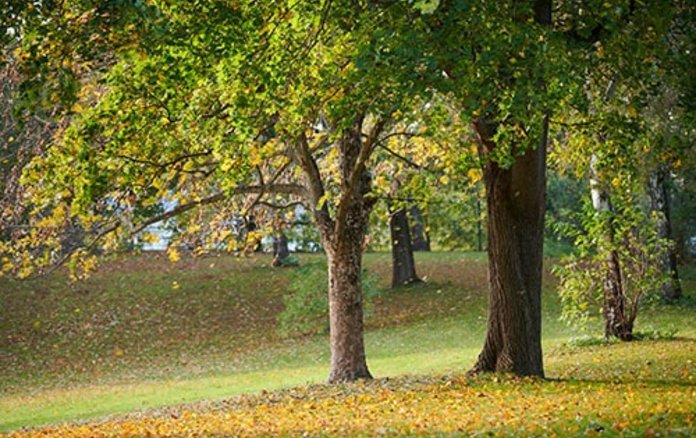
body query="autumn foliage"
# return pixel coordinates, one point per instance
(452, 404)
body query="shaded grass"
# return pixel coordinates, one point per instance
(139, 341)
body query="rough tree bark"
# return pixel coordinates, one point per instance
(346, 328)
(516, 202)
(403, 264)
(479, 226)
(342, 237)
(420, 240)
(660, 204)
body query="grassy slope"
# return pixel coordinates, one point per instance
(143, 333)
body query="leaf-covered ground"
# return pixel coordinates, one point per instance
(144, 317)
(142, 334)
(653, 397)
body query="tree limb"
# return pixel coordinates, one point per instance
(349, 189)
(401, 157)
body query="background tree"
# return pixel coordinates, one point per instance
(414, 163)
(617, 144)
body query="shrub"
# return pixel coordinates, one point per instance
(626, 235)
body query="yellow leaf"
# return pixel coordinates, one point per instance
(173, 254)
(474, 175)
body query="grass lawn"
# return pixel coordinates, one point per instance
(142, 334)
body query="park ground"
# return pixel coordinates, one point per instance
(149, 347)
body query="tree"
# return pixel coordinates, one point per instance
(660, 204)
(403, 264)
(624, 134)
(281, 251)
(516, 203)
(619, 135)
(411, 163)
(223, 107)
(512, 149)
(511, 66)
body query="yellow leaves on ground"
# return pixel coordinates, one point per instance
(425, 406)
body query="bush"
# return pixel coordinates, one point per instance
(634, 244)
(306, 306)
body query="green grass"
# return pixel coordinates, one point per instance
(140, 341)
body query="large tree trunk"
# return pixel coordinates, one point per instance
(344, 247)
(348, 361)
(420, 240)
(516, 203)
(660, 204)
(403, 265)
(342, 238)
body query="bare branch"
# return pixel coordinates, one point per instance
(302, 154)
(311, 170)
(401, 157)
(165, 164)
(280, 206)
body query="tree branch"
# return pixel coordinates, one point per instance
(165, 164)
(293, 189)
(315, 190)
(401, 157)
(280, 206)
(349, 190)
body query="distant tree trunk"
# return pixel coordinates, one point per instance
(73, 238)
(616, 322)
(280, 248)
(403, 265)
(255, 244)
(420, 240)
(660, 204)
(516, 202)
